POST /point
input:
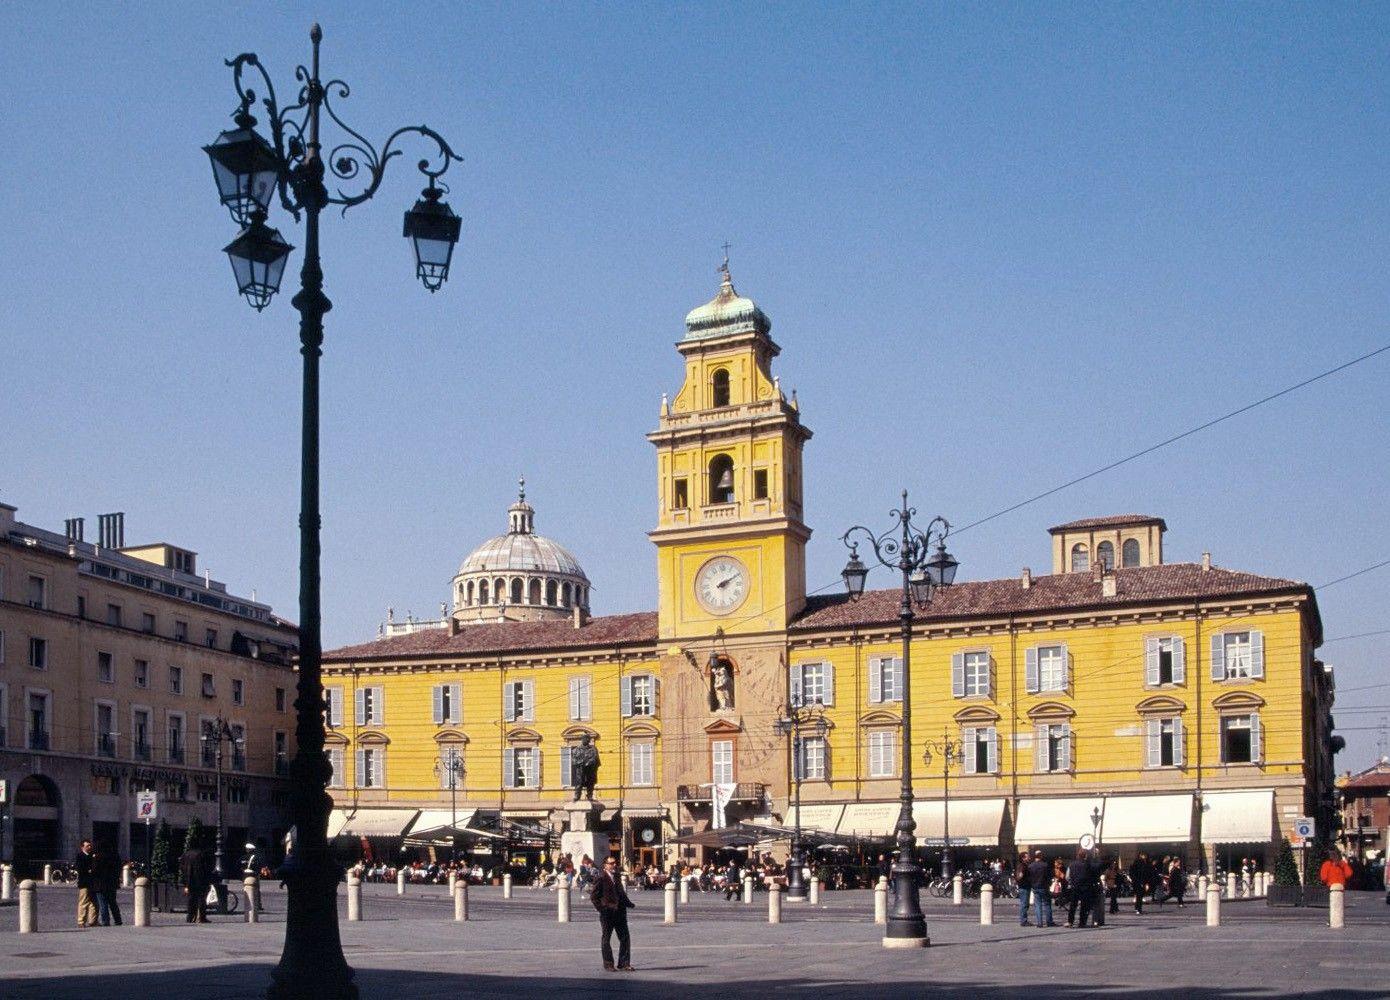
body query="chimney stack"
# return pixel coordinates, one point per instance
(1108, 583)
(1206, 562)
(73, 528)
(455, 626)
(578, 616)
(1027, 578)
(111, 527)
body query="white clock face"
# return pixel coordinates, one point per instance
(721, 585)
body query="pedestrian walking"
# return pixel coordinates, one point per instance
(194, 870)
(86, 865)
(1081, 880)
(1040, 879)
(1335, 870)
(1177, 881)
(1025, 888)
(1141, 873)
(1110, 879)
(108, 880)
(612, 902)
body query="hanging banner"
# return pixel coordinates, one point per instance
(722, 793)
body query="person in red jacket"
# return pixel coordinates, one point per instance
(1335, 870)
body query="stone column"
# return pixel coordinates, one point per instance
(142, 902)
(986, 904)
(248, 886)
(669, 916)
(28, 907)
(1213, 905)
(774, 903)
(881, 900)
(461, 900)
(354, 898)
(1336, 907)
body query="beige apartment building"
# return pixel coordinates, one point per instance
(115, 661)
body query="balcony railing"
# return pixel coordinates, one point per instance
(744, 791)
(38, 741)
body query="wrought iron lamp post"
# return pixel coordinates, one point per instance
(951, 752)
(250, 173)
(212, 737)
(907, 549)
(451, 764)
(797, 719)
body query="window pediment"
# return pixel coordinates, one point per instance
(523, 736)
(1051, 710)
(335, 739)
(372, 739)
(723, 727)
(977, 714)
(1237, 701)
(879, 719)
(641, 731)
(1160, 704)
(450, 736)
(575, 732)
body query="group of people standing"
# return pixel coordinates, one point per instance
(1089, 886)
(98, 878)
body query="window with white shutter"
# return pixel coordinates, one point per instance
(1237, 656)
(1240, 739)
(360, 698)
(883, 754)
(437, 705)
(335, 765)
(641, 758)
(638, 696)
(980, 749)
(450, 767)
(566, 767)
(722, 762)
(1163, 660)
(1054, 747)
(885, 679)
(812, 683)
(810, 763)
(335, 707)
(580, 699)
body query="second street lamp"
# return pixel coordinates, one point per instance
(907, 549)
(797, 719)
(449, 767)
(951, 752)
(250, 173)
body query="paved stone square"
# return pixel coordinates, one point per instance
(410, 947)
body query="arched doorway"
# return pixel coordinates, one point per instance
(36, 828)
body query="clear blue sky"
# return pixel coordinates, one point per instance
(1000, 246)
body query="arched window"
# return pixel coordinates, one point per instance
(1080, 558)
(581, 596)
(482, 591)
(552, 590)
(719, 387)
(1129, 552)
(721, 479)
(1105, 555)
(535, 596)
(499, 590)
(565, 595)
(516, 590)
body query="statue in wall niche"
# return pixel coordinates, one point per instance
(584, 767)
(722, 686)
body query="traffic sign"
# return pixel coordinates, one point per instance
(1304, 828)
(147, 805)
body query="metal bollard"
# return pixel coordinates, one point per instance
(354, 898)
(47, 874)
(881, 900)
(461, 900)
(1231, 885)
(28, 907)
(142, 902)
(6, 883)
(986, 904)
(1213, 905)
(1336, 907)
(748, 888)
(815, 892)
(774, 903)
(248, 886)
(685, 891)
(957, 890)
(400, 883)
(669, 916)
(507, 886)
(125, 876)
(562, 903)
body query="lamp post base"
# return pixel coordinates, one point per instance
(906, 942)
(312, 966)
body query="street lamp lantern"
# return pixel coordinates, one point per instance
(258, 256)
(245, 169)
(941, 567)
(921, 586)
(433, 228)
(855, 573)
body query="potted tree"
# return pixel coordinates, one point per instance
(1286, 890)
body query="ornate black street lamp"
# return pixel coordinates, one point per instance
(250, 172)
(951, 752)
(212, 737)
(796, 720)
(449, 766)
(909, 550)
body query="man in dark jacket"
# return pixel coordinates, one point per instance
(1040, 881)
(612, 902)
(1082, 876)
(1141, 876)
(108, 880)
(86, 865)
(194, 871)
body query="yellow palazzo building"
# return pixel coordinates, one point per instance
(1167, 707)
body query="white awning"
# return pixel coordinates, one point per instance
(869, 819)
(1055, 821)
(1244, 817)
(1146, 819)
(823, 817)
(370, 822)
(441, 822)
(974, 822)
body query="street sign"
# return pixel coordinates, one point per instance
(1304, 828)
(147, 805)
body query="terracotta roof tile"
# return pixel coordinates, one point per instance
(1061, 592)
(505, 638)
(1110, 521)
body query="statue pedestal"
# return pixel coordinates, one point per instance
(582, 835)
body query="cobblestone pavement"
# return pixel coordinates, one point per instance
(410, 947)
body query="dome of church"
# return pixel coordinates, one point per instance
(727, 313)
(519, 576)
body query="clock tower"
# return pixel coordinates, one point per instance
(731, 543)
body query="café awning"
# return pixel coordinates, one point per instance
(974, 822)
(435, 823)
(370, 822)
(1147, 819)
(869, 819)
(819, 816)
(1238, 817)
(1055, 821)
